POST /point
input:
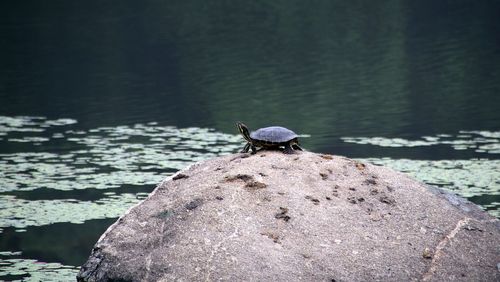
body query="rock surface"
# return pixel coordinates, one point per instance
(311, 217)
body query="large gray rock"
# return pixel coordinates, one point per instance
(311, 217)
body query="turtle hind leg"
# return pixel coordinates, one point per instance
(254, 150)
(246, 148)
(288, 149)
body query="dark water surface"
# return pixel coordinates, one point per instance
(101, 100)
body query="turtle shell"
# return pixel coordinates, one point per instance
(273, 134)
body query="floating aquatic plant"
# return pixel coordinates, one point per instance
(104, 158)
(14, 268)
(479, 141)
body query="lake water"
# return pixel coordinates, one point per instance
(101, 100)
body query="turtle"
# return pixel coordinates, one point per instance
(272, 137)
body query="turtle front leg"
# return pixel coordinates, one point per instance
(297, 147)
(288, 149)
(246, 148)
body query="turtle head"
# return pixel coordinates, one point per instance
(243, 129)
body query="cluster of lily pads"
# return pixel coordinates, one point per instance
(479, 141)
(104, 158)
(15, 268)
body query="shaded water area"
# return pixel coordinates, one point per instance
(101, 100)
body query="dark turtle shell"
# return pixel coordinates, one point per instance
(273, 134)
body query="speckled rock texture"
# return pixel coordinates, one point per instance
(300, 217)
